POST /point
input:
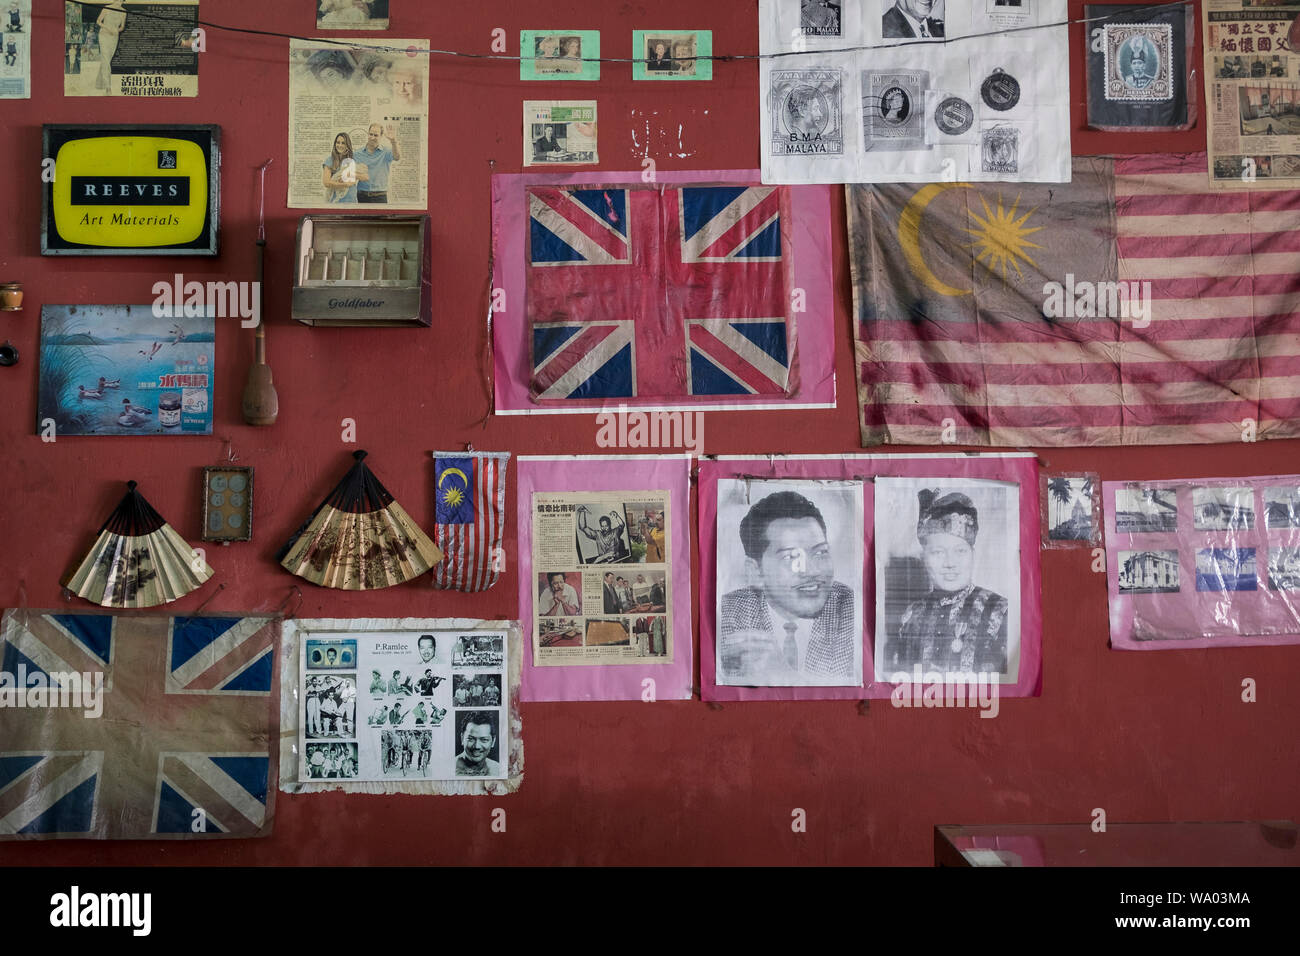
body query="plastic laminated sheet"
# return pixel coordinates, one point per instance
(1212, 562)
(605, 577)
(403, 727)
(929, 563)
(663, 290)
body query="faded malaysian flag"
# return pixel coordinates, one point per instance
(658, 292)
(176, 743)
(1130, 306)
(469, 504)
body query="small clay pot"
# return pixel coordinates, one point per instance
(11, 296)
(8, 354)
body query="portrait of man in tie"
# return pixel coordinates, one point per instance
(798, 619)
(913, 19)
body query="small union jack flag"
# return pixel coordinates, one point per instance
(649, 292)
(180, 745)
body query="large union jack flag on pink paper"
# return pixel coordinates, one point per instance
(665, 293)
(176, 741)
(638, 291)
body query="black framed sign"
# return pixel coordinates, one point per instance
(131, 190)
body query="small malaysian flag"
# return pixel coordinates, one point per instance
(470, 498)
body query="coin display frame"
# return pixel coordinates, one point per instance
(227, 497)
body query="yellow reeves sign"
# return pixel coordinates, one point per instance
(130, 191)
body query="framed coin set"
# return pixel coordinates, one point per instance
(227, 504)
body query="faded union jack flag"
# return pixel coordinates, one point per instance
(470, 510)
(658, 292)
(181, 747)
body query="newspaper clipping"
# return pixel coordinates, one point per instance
(16, 50)
(405, 705)
(603, 583)
(127, 48)
(560, 132)
(357, 121)
(1252, 80)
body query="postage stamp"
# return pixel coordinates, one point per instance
(559, 54)
(893, 108)
(1000, 149)
(1139, 61)
(672, 54)
(807, 112)
(820, 18)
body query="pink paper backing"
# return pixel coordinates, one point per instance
(1022, 469)
(810, 270)
(615, 473)
(1189, 606)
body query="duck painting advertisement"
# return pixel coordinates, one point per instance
(124, 370)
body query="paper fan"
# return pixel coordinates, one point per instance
(138, 560)
(359, 538)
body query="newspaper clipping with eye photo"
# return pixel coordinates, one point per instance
(358, 117)
(1252, 88)
(602, 578)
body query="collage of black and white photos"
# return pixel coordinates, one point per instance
(417, 705)
(330, 709)
(1207, 538)
(603, 588)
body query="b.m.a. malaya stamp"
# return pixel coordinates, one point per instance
(1139, 61)
(807, 112)
(1000, 149)
(893, 109)
(820, 18)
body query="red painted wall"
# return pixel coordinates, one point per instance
(1159, 736)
